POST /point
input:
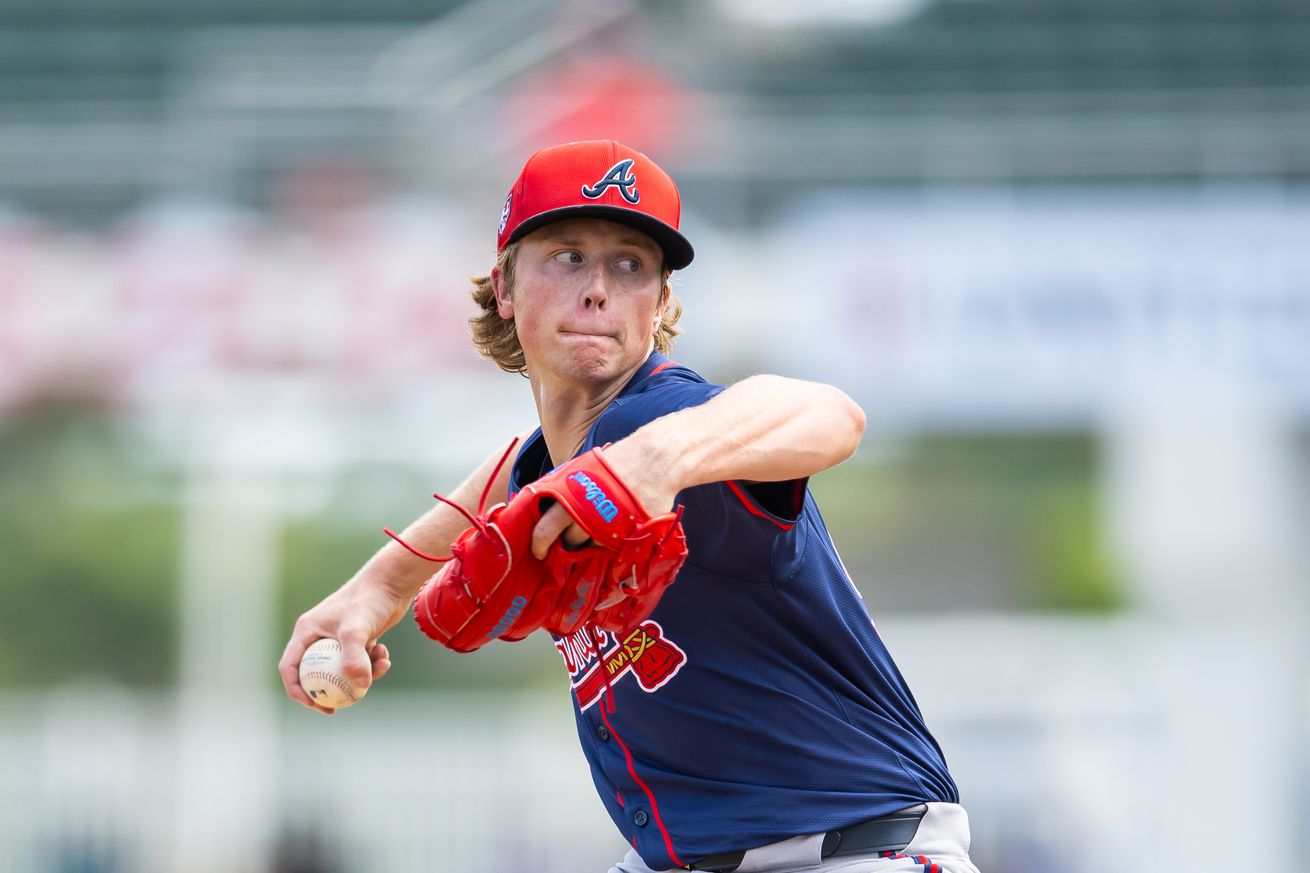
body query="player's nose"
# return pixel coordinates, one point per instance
(595, 290)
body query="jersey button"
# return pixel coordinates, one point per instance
(604, 733)
(640, 817)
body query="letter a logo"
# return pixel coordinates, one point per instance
(621, 175)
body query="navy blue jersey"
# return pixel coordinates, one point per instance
(757, 702)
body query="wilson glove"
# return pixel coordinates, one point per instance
(493, 588)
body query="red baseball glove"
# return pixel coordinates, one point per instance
(493, 588)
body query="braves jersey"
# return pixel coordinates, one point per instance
(757, 702)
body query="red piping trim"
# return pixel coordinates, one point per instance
(753, 509)
(662, 366)
(650, 795)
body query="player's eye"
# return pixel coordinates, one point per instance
(630, 265)
(569, 257)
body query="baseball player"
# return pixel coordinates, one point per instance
(736, 704)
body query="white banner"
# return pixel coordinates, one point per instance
(1045, 307)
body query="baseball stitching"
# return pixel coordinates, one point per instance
(339, 681)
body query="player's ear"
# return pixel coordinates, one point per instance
(665, 293)
(500, 287)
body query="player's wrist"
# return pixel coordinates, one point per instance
(393, 577)
(659, 457)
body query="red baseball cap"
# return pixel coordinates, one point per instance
(596, 179)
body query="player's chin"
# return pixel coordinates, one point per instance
(593, 361)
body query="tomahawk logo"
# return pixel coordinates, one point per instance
(619, 175)
(597, 659)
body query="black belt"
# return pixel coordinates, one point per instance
(887, 833)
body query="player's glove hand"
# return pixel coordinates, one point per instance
(493, 587)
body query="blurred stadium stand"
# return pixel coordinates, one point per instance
(105, 103)
(1055, 248)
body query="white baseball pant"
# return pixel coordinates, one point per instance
(940, 845)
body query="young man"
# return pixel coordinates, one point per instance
(757, 722)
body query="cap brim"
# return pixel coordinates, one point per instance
(678, 252)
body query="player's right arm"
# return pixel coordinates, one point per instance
(377, 597)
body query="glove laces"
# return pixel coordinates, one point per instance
(634, 587)
(475, 520)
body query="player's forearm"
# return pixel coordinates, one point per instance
(402, 573)
(764, 429)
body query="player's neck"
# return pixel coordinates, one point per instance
(567, 409)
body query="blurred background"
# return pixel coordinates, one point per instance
(1057, 251)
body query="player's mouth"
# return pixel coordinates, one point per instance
(587, 334)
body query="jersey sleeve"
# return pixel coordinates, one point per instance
(731, 533)
(733, 528)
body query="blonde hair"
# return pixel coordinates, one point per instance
(497, 339)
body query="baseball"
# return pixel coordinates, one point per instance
(322, 679)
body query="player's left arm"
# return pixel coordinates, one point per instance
(762, 429)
